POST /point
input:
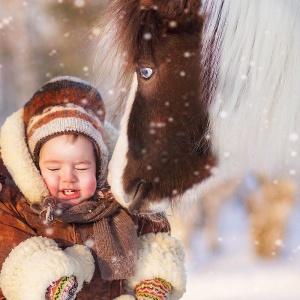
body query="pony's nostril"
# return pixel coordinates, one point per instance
(138, 203)
(142, 189)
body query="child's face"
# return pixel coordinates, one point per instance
(68, 167)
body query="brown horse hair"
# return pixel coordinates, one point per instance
(121, 39)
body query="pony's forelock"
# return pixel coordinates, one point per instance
(115, 54)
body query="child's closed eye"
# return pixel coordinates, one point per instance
(53, 169)
(83, 166)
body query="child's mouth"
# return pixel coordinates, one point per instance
(69, 192)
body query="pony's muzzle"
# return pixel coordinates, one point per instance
(138, 204)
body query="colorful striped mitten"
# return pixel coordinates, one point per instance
(62, 289)
(153, 289)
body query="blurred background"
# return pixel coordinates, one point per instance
(43, 39)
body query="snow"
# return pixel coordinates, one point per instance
(234, 272)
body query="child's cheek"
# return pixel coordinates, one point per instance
(52, 183)
(92, 187)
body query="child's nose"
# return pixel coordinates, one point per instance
(69, 175)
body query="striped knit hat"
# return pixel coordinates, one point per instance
(66, 105)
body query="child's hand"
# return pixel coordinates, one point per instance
(156, 289)
(62, 289)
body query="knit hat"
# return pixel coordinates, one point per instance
(61, 106)
(66, 105)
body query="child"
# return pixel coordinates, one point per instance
(64, 236)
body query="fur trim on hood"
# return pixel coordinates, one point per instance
(18, 160)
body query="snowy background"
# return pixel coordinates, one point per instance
(234, 272)
(43, 39)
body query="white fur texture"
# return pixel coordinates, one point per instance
(255, 112)
(125, 297)
(17, 159)
(118, 161)
(83, 257)
(35, 263)
(162, 256)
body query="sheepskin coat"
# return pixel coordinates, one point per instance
(18, 224)
(34, 254)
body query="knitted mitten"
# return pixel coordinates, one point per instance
(62, 289)
(153, 289)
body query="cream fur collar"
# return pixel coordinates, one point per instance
(17, 159)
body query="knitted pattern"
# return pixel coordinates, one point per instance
(154, 289)
(67, 105)
(63, 289)
(159, 255)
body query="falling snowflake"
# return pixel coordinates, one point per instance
(293, 137)
(244, 77)
(100, 112)
(223, 114)
(252, 63)
(96, 31)
(175, 192)
(147, 36)
(49, 231)
(89, 243)
(52, 52)
(279, 243)
(58, 211)
(79, 3)
(157, 124)
(172, 24)
(187, 54)
(226, 154)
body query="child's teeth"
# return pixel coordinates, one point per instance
(68, 192)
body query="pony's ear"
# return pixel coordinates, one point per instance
(17, 159)
(111, 136)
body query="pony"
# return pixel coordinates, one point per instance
(163, 148)
(207, 92)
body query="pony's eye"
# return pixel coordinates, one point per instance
(146, 72)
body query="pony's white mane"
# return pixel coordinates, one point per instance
(255, 111)
(255, 100)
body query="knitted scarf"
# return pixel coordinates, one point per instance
(114, 232)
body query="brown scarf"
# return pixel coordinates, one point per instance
(114, 231)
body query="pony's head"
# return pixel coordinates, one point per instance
(163, 149)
